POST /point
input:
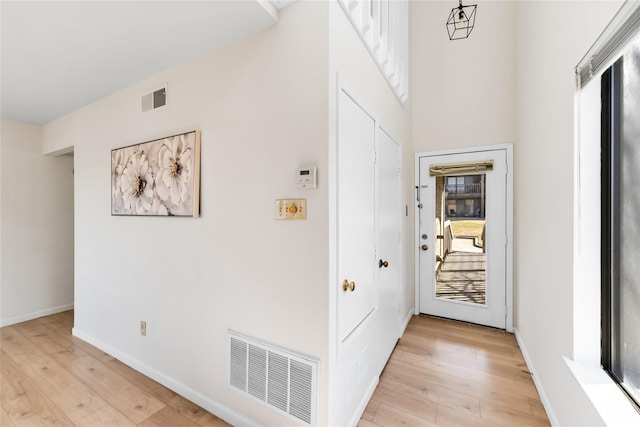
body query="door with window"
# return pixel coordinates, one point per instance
(463, 236)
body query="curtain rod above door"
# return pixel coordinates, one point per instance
(460, 168)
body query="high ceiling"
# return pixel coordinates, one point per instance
(57, 56)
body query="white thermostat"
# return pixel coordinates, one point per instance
(306, 178)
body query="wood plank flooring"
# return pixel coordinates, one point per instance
(447, 373)
(50, 378)
(442, 373)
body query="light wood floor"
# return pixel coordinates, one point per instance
(50, 378)
(442, 373)
(447, 373)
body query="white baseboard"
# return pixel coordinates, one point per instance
(357, 415)
(543, 395)
(35, 314)
(372, 387)
(405, 323)
(210, 405)
(364, 402)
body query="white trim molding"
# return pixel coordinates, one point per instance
(544, 398)
(406, 321)
(196, 397)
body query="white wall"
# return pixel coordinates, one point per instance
(37, 227)
(551, 41)
(262, 106)
(463, 92)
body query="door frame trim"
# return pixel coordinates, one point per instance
(508, 147)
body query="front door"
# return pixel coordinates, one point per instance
(462, 240)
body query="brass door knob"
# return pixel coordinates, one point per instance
(424, 247)
(382, 263)
(348, 286)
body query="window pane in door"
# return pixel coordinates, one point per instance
(460, 248)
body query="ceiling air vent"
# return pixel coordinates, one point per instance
(154, 99)
(280, 379)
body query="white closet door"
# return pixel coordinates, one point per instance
(356, 204)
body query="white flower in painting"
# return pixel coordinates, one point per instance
(174, 170)
(137, 184)
(157, 208)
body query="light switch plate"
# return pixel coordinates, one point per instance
(289, 209)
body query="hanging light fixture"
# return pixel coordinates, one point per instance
(461, 21)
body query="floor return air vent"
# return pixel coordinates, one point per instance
(282, 380)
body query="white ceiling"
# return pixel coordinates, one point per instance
(57, 56)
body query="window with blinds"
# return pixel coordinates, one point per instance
(620, 240)
(619, 33)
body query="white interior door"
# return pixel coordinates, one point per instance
(461, 276)
(356, 204)
(389, 228)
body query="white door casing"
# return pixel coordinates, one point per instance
(497, 310)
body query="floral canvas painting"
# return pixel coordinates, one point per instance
(157, 178)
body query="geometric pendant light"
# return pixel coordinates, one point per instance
(461, 21)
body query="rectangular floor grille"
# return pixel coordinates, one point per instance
(281, 379)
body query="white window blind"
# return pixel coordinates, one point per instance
(619, 33)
